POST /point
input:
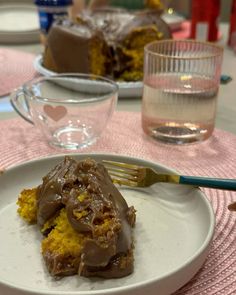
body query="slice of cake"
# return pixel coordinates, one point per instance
(86, 222)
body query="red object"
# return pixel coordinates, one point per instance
(232, 27)
(205, 19)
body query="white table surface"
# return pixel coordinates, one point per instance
(226, 114)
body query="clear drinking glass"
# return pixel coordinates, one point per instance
(71, 110)
(181, 81)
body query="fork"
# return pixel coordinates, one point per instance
(139, 176)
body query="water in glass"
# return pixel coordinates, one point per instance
(179, 108)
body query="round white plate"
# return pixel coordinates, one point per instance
(19, 23)
(126, 89)
(173, 232)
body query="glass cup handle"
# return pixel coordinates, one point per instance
(18, 106)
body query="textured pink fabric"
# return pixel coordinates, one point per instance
(16, 67)
(19, 141)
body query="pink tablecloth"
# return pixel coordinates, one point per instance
(19, 141)
(16, 68)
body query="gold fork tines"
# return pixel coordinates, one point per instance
(123, 173)
(136, 176)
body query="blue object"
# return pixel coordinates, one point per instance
(53, 2)
(49, 10)
(227, 184)
(47, 18)
(5, 106)
(225, 79)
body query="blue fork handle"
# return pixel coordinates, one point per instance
(226, 184)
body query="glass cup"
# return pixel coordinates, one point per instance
(181, 81)
(71, 110)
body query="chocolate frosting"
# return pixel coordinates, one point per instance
(86, 186)
(117, 23)
(80, 38)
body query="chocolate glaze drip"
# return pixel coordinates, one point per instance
(86, 186)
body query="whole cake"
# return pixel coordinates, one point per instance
(107, 41)
(86, 223)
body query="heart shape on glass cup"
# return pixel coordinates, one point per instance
(55, 113)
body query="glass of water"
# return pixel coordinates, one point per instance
(181, 81)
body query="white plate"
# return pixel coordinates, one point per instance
(126, 89)
(173, 232)
(19, 23)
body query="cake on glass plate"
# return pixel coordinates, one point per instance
(106, 41)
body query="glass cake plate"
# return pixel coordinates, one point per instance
(172, 236)
(126, 89)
